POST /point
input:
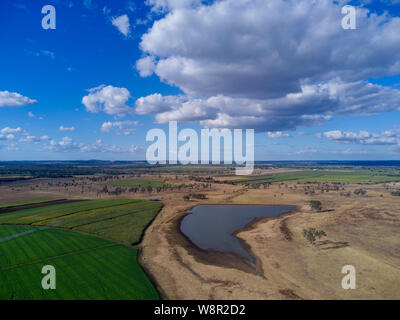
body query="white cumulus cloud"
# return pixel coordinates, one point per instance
(387, 137)
(313, 105)
(62, 128)
(67, 144)
(14, 99)
(122, 24)
(277, 134)
(7, 130)
(108, 99)
(242, 47)
(240, 65)
(146, 66)
(121, 127)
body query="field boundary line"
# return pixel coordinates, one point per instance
(11, 209)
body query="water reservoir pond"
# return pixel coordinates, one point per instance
(212, 226)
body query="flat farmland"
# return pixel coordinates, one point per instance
(87, 267)
(343, 176)
(138, 182)
(120, 219)
(25, 202)
(142, 182)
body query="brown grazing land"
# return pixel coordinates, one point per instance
(362, 231)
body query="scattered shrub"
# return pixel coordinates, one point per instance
(316, 205)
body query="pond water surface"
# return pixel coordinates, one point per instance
(212, 226)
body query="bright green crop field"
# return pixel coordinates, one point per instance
(87, 267)
(24, 202)
(120, 219)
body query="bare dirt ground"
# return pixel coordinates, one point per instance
(362, 231)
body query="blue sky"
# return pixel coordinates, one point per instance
(310, 89)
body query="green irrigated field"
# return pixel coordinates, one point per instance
(86, 267)
(24, 202)
(344, 176)
(120, 219)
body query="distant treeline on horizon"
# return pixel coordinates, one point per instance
(265, 162)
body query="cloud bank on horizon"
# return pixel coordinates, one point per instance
(274, 66)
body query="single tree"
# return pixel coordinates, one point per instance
(311, 234)
(316, 205)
